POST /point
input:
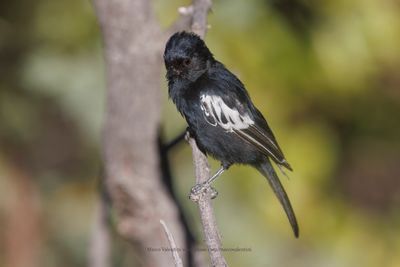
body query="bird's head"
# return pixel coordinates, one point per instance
(186, 56)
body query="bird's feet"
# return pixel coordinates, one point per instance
(188, 135)
(202, 189)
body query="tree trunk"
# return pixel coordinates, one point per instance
(133, 46)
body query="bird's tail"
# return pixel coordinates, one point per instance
(268, 171)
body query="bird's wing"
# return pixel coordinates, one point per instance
(227, 112)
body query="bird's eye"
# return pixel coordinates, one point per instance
(186, 61)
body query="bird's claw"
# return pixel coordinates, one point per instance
(202, 189)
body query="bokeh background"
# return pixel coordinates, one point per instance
(326, 74)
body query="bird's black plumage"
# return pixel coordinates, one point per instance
(220, 114)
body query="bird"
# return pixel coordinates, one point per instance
(220, 114)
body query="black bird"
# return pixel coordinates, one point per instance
(220, 114)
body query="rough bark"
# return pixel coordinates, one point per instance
(132, 47)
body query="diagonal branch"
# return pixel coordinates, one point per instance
(174, 248)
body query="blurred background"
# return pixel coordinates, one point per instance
(325, 74)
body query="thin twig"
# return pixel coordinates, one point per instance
(194, 17)
(174, 248)
(183, 22)
(210, 229)
(211, 232)
(100, 250)
(200, 13)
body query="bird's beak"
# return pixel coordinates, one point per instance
(176, 72)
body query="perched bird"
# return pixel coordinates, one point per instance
(221, 116)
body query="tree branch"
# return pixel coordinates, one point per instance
(211, 233)
(193, 17)
(200, 14)
(100, 251)
(183, 22)
(174, 248)
(210, 229)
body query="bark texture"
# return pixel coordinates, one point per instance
(132, 49)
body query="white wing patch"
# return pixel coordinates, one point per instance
(217, 112)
